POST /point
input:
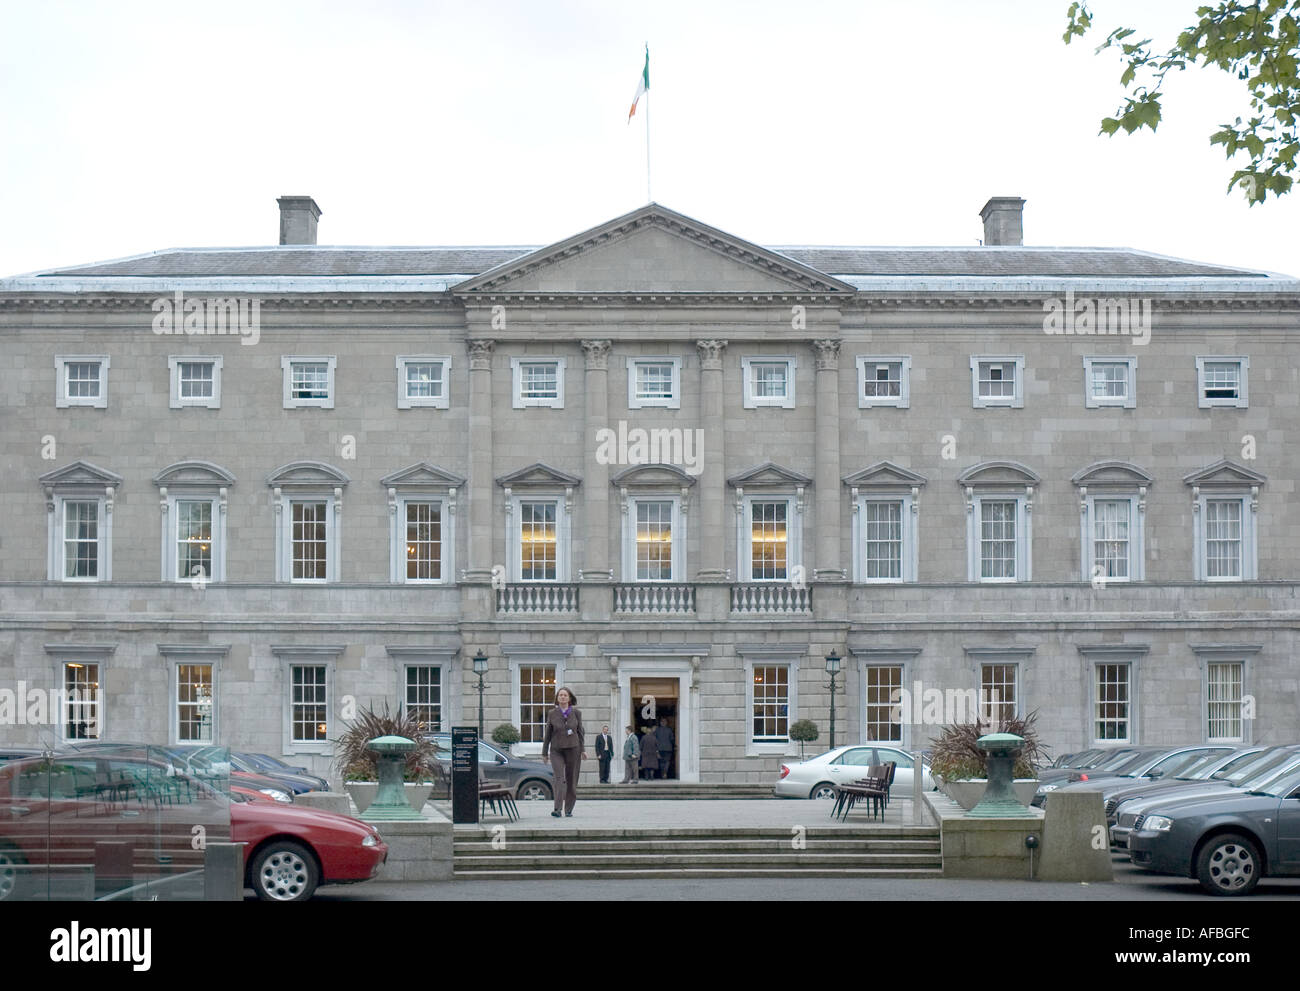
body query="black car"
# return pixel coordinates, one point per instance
(528, 779)
(1226, 843)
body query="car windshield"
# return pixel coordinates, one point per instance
(1264, 781)
(1257, 771)
(1280, 785)
(1125, 764)
(1170, 767)
(1199, 769)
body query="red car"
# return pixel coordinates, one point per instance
(53, 813)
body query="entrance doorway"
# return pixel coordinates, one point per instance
(654, 705)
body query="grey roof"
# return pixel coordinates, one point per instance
(298, 261)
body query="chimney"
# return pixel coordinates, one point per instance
(1004, 222)
(298, 216)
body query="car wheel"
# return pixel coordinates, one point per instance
(1228, 865)
(823, 790)
(11, 864)
(534, 791)
(284, 872)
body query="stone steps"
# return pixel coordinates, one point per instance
(676, 790)
(887, 851)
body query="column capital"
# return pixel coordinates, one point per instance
(827, 353)
(597, 352)
(480, 353)
(711, 354)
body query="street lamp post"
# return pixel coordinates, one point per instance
(833, 669)
(480, 666)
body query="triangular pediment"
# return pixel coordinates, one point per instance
(80, 473)
(538, 474)
(768, 473)
(998, 473)
(1111, 473)
(884, 473)
(652, 476)
(422, 474)
(193, 473)
(656, 250)
(307, 473)
(1225, 472)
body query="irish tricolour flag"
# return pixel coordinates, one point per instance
(642, 85)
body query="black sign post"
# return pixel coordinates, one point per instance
(464, 774)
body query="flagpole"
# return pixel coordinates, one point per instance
(648, 197)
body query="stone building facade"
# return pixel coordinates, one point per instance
(247, 489)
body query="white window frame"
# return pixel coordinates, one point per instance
(904, 723)
(303, 656)
(171, 524)
(521, 656)
(1136, 535)
(1016, 666)
(403, 672)
(909, 550)
(61, 398)
(405, 401)
(1242, 400)
(794, 537)
(678, 523)
(286, 365)
(174, 362)
(517, 383)
(672, 402)
(1249, 534)
(104, 537)
(1016, 400)
(192, 654)
(284, 535)
(397, 538)
(64, 654)
(903, 399)
(563, 535)
(769, 658)
(1243, 654)
(779, 402)
(64, 699)
(1128, 401)
(1024, 537)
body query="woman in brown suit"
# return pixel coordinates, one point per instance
(565, 740)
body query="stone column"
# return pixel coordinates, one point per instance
(480, 461)
(595, 484)
(712, 538)
(826, 559)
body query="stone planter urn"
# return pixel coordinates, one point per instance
(968, 793)
(363, 793)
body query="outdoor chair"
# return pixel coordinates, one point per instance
(494, 794)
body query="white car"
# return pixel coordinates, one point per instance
(817, 776)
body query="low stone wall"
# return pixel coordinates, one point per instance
(417, 851)
(984, 848)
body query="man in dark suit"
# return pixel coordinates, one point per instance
(604, 753)
(664, 738)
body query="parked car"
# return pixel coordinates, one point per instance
(1101, 759)
(528, 779)
(1226, 842)
(1150, 767)
(817, 776)
(1258, 771)
(203, 761)
(52, 811)
(271, 765)
(1117, 762)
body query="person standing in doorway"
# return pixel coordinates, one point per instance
(566, 743)
(631, 756)
(604, 753)
(649, 753)
(664, 739)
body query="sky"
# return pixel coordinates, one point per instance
(134, 126)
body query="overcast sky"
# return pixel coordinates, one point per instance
(128, 127)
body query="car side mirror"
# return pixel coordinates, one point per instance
(1155, 772)
(500, 759)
